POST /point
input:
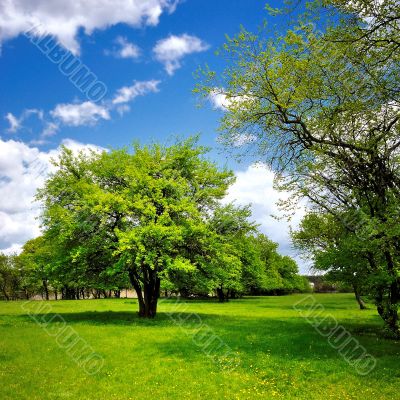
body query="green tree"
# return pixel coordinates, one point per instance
(238, 268)
(10, 278)
(333, 250)
(143, 213)
(34, 262)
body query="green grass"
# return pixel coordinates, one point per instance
(280, 354)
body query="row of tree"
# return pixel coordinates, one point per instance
(321, 105)
(151, 219)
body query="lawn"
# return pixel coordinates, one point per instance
(277, 353)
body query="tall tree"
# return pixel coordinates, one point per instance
(322, 108)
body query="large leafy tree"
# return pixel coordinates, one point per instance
(322, 108)
(143, 213)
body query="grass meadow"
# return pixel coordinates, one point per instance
(278, 354)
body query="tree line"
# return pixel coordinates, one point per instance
(149, 218)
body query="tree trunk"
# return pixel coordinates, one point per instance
(134, 278)
(387, 299)
(387, 308)
(5, 294)
(221, 295)
(360, 301)
(392, 303)
(148, 298)
(46, 289)
(70, 293)
(151, 295)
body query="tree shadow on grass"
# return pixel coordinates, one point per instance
(287, 337)
(95, 318)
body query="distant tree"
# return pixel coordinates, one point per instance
(34, 261)
(333, 250)
(234, 267)
(281, 273)
(10, 277)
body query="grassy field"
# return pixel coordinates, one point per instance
(278, 353)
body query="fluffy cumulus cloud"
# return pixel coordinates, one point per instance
(86, 113)
(63, 19)
(255, 186)
(171, 50)
(23, 170)
(124, 49)
(139, 88)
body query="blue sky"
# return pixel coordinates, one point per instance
(33, 82)
(145, 52)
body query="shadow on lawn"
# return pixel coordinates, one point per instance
(292, 337)
(97, 318)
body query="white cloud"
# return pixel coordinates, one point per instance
(50, 129)
(140, 88)
(122, 109)
(76, 147)
(219, 99)
(23, 170)
(171, 50)
(32, 111)
(255, 186)
(125, 49)
(14, 122)
(86, 113)
(13, 249)
(63, 19)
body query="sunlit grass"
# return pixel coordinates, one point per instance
(280, 355)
